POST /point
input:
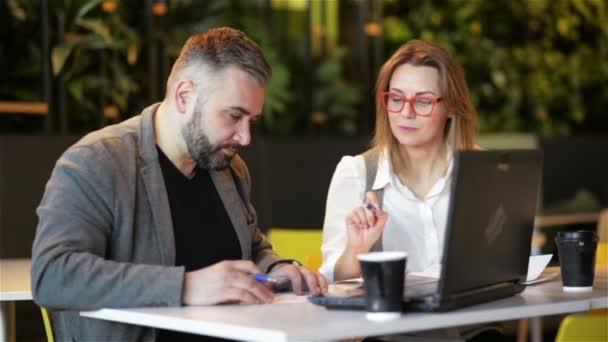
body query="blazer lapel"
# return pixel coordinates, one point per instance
(224, 183)
(161, 212)
(155, 188)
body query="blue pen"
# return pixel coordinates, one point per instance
(262, 278)
(370, 207)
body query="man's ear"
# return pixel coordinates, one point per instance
(184, 96)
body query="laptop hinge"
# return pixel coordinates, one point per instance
(468, 297)
(490, 288)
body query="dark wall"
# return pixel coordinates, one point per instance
(573, 164)
(291, 176)
(26, 162)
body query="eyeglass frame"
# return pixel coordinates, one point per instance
(409, 101)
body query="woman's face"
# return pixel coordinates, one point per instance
(419, 85)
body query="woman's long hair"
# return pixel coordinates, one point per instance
(459, 128)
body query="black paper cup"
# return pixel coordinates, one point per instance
(383, 278)
(576, 252)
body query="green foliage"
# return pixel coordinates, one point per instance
(276, 118)
(334, 100)
(20, 55)
(93, 59)
(531, 65)
(536, 65)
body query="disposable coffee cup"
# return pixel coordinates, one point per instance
(576, 252)
(383, 279)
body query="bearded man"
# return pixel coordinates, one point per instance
(155, 211)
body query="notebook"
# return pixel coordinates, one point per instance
(488, 234)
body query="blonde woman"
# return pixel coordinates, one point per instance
(400, 200)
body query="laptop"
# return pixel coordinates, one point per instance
(488, 235)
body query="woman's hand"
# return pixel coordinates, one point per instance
(365, 224)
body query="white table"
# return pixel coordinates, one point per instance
(14, 285)
(306, 322)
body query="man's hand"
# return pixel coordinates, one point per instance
(300, 276)
(225, 282)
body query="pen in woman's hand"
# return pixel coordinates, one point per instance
(370, 207)
(264, 279)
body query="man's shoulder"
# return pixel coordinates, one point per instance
(124, 132)
(111, 144)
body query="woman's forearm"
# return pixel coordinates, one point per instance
(347, 266)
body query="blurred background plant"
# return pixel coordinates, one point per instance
(334, 99)
(535, 66)
(20, 54)
(95, 51)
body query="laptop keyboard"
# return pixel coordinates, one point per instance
(352, 299)
(421, 289)
(419, 286)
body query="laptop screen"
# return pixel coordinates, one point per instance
(490, 219)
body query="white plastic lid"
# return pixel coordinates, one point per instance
(578, 289)
(382, 316)
(382, 256)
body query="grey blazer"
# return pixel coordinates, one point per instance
(105, 236)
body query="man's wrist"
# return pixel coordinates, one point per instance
(282, 262)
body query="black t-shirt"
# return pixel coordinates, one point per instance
(203, 232)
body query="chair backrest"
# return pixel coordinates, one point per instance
(303, 245)
(48, 324)
(583, 328)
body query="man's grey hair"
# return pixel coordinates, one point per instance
(222, 47)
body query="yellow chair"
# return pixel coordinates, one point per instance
(48, 324)
(303, 245)
(583, 328)
(601, 257)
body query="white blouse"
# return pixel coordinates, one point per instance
(416, 226)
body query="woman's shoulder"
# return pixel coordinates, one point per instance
(351, 167)
(352, 163)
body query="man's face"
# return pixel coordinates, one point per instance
(221, 121)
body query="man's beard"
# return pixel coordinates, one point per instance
(206, 155)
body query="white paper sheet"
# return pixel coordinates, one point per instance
(536, 265)
(288, 298)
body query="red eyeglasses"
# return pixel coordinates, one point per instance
(422, 105)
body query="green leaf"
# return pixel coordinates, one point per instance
(396, 30)
(86, 8)
(75, 89)
(16, 10)
(59, 55)
(328, 71)
(582, 8)
(94, 41)
(97, 26)
(119, 100)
